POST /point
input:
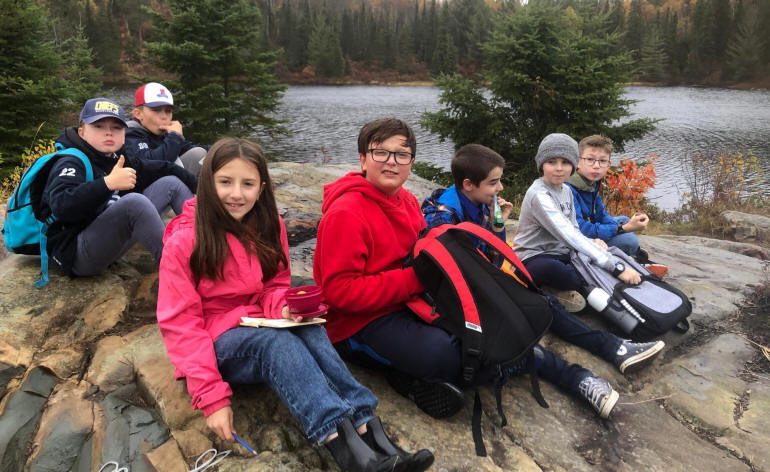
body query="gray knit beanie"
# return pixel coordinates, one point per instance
(557, 145)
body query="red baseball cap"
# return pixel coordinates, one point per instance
(153, 94)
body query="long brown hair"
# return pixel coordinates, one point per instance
(259, 231)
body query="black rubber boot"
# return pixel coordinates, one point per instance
(378, 440)
(352, 454)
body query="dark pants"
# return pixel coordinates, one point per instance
(548, 270)
(402, 341)
(573, 330)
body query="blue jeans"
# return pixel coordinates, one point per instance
(626, 242)
(303, 369)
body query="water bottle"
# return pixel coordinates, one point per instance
(498, 216)
(618, 315)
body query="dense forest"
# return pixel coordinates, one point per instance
(671, 41)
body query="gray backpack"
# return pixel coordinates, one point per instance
(643, 311)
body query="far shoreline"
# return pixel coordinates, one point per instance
(743, 86)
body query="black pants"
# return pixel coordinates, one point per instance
(404, 342)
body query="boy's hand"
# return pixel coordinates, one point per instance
(221, 422)
(630, 276)
(174, 126)
(121, 178)
(600, 243)
(506, 207)
(638, 222)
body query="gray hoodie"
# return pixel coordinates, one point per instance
(547, 225)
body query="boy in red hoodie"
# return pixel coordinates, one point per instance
(369, 224)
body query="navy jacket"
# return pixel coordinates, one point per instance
(75, 203)
(142, 144)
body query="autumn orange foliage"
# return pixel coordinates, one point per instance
(627, 184)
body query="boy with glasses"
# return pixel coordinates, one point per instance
(592, 216)
(368, 227)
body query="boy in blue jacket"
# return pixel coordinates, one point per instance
(477, 171)
(592, 216)
(153, 134)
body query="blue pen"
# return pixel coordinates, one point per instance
(243, 443)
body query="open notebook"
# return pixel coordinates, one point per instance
(278, 323)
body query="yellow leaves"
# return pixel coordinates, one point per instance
(40, 148)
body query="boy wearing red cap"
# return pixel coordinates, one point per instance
(153, 134)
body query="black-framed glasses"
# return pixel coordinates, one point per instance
(383, 155)
(591, 161)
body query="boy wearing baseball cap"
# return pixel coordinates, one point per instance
(153, 134)
(96, 220)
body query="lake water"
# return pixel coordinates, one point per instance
(325, 121)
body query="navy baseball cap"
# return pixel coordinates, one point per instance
(96, 109)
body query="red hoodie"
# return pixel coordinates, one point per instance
(363, 238)
(191, 318)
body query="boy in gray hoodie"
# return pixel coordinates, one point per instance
(548, 228)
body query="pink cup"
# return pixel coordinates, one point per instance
(304, 299)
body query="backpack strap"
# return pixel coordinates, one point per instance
(60, 150)
(478, 439)
(471, 338)
(486, 236)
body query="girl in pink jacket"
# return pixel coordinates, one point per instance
(226, 257)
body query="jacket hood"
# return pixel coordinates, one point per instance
(70, 138)
(185, 220)
(356, 182)
(581, 183)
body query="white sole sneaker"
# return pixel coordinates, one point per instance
(640, 360)
(609, 404)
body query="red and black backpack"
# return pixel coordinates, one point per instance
(498, 315)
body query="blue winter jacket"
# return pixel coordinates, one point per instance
(592, 216)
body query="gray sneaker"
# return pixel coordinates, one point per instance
(599, 394)
(632, 356)
(572, 301)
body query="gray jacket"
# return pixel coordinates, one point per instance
(547, 225)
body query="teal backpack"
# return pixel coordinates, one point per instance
(23, 232)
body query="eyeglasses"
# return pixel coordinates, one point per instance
(591, 161)
(383, 155)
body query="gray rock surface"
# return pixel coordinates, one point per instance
(84, 378)
(745, 227)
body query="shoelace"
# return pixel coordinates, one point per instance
(591, 389)
(209, 458)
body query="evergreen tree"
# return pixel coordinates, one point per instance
(541, 74)
(471, 21)
(653, 61)
(744, 50)
(703, 52)
(445, 53)
(226, 81)
(721, 27)
(103, 36)
(325, 53)
(635, 30)
(39, 78)
(617, 15)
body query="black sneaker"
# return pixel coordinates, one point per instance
(439, 399)
(632, 356)
(600, 394)
(642, 256)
